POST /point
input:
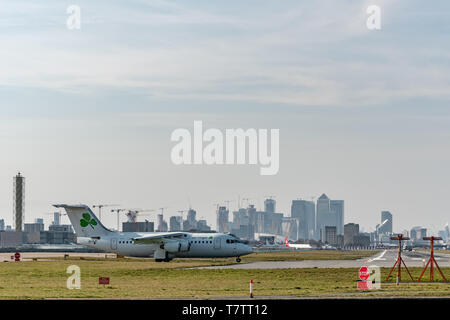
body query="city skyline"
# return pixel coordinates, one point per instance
(362, 114)
(320, 217)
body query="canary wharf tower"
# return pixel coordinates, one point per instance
(19, 201)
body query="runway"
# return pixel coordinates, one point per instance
(384, 259)
(42, 256)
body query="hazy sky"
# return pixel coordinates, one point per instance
(364, 115)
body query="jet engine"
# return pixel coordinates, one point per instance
(176, 246)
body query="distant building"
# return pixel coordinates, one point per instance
(56, 217)
(272, 223)
(362, 240)
(61, 228)
(19, 202)
(63, 235)
(32, 237)
(240, 218)
(385, 228)
(289, 227)
(203, 226)
(353, 238)
(33, 227)
(222, 219)
(12, 239)
(337, 210)
(2, 225)
(175, 223)
(443, 235)
(269, 205)
(340, 241)
(305, 212)
(331, 235)
(162, 224)
(417, 234)
(146, 226)
(191, 222)
(329, 213)
(351, 230)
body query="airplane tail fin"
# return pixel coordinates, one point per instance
(286, 242)
(84, 221)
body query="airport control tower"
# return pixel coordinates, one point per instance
(19, 202)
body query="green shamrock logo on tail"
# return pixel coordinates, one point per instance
(87, 221)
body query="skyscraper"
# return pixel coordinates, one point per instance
(269, 205)
(162, 225)
(56, 216)
(222, 219)
(191, 220)
(330, 235)
(19, 202)
(351, 230)
(330, 213)
(385, 228)
(337, 209)
(305, 212)
(175, 223)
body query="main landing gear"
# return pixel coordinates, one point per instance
(166, 259)
(238, 259)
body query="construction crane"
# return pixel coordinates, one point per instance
(227, 202)
(246, 199)
(100, 206)
(162, 210)
(133, 213)
(181, 216)
(118, 213)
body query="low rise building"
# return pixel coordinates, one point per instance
(146, 226)
(12, 239)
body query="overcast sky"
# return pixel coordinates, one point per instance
(364, 115)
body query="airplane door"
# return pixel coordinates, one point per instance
(114, 244)
(217, 243)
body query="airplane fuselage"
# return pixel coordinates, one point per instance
(200, 245)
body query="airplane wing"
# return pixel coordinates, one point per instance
(158, 237)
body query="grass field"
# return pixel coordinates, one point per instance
(143, 278)
(309, 255)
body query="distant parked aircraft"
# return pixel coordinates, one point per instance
(296, 246)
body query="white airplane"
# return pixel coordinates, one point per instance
(163, 246)
(296, 246)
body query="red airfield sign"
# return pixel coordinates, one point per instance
(103, 280)
(364, 273)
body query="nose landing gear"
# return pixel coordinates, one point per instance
(238, 259)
